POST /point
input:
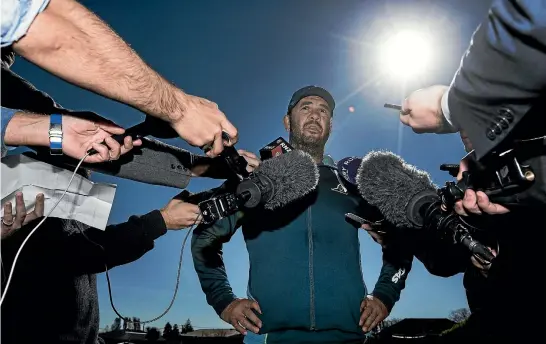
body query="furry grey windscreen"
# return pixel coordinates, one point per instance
(386, 181)
(294, 175)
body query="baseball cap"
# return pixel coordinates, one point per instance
(312, 91)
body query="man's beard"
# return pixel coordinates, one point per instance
(310, 144)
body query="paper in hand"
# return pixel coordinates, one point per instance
(85, 201)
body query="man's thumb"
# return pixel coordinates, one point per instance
(463, 167)
(111, 128)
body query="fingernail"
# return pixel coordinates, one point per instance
(360, 323)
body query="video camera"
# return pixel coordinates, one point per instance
(500, 178)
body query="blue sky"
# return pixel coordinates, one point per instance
(249, 57)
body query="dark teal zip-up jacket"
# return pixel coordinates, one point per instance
(305, 266)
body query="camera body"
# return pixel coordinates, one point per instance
(218, 206)
(499, 175)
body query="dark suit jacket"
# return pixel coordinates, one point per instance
(502, 76)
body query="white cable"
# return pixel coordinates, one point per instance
(35, 228)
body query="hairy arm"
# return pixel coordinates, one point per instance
(24, 129)
(69, 41)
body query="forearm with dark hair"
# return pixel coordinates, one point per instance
(71, 42)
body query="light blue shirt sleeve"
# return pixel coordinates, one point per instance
(17, 16)
(7, 114)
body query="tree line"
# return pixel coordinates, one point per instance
(459, 316)
(152, 333)
(174, 331)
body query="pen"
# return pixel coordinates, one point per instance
(393, 106)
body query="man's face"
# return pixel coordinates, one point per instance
(309, 122)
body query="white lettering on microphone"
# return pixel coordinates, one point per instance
(285, 147)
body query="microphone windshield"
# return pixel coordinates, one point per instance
(293, 175)
(348, 168)
(396, 188)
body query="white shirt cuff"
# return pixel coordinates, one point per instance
(445, 108)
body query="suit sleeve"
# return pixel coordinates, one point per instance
(92, 250)
(206, 249)
(440, 257)
(503, 68)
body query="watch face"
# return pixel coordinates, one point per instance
(56, 129)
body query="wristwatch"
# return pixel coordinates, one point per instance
(56, 134)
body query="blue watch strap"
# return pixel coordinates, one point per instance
(56, 118)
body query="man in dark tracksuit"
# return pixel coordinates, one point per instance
(305, 280)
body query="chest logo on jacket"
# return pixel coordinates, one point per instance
(341, 189)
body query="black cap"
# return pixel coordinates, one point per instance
(312, 91)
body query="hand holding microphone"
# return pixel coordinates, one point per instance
(203, 125)
(179, 214)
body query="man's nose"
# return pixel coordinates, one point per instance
(315, 113)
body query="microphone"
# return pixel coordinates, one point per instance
(407, 197)
(287, 177)
(395, 187)
(274, 184)
(275, 148)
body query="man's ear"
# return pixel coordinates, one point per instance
(286, 121)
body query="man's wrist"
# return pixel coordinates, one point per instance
(28, 129)
(166, 217)
(181, 101)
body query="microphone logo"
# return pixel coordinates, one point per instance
(275, 148)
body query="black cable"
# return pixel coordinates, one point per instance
(177, 276)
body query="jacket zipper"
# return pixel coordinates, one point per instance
(311, 274)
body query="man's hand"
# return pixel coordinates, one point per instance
(241, 316)
(215, 168)
(422, 111)
(179, 214)
(12, 223)
(372, 311)
(475, 202)
(251, 158)
(80, 135)
(201, 123)
(373, 232)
